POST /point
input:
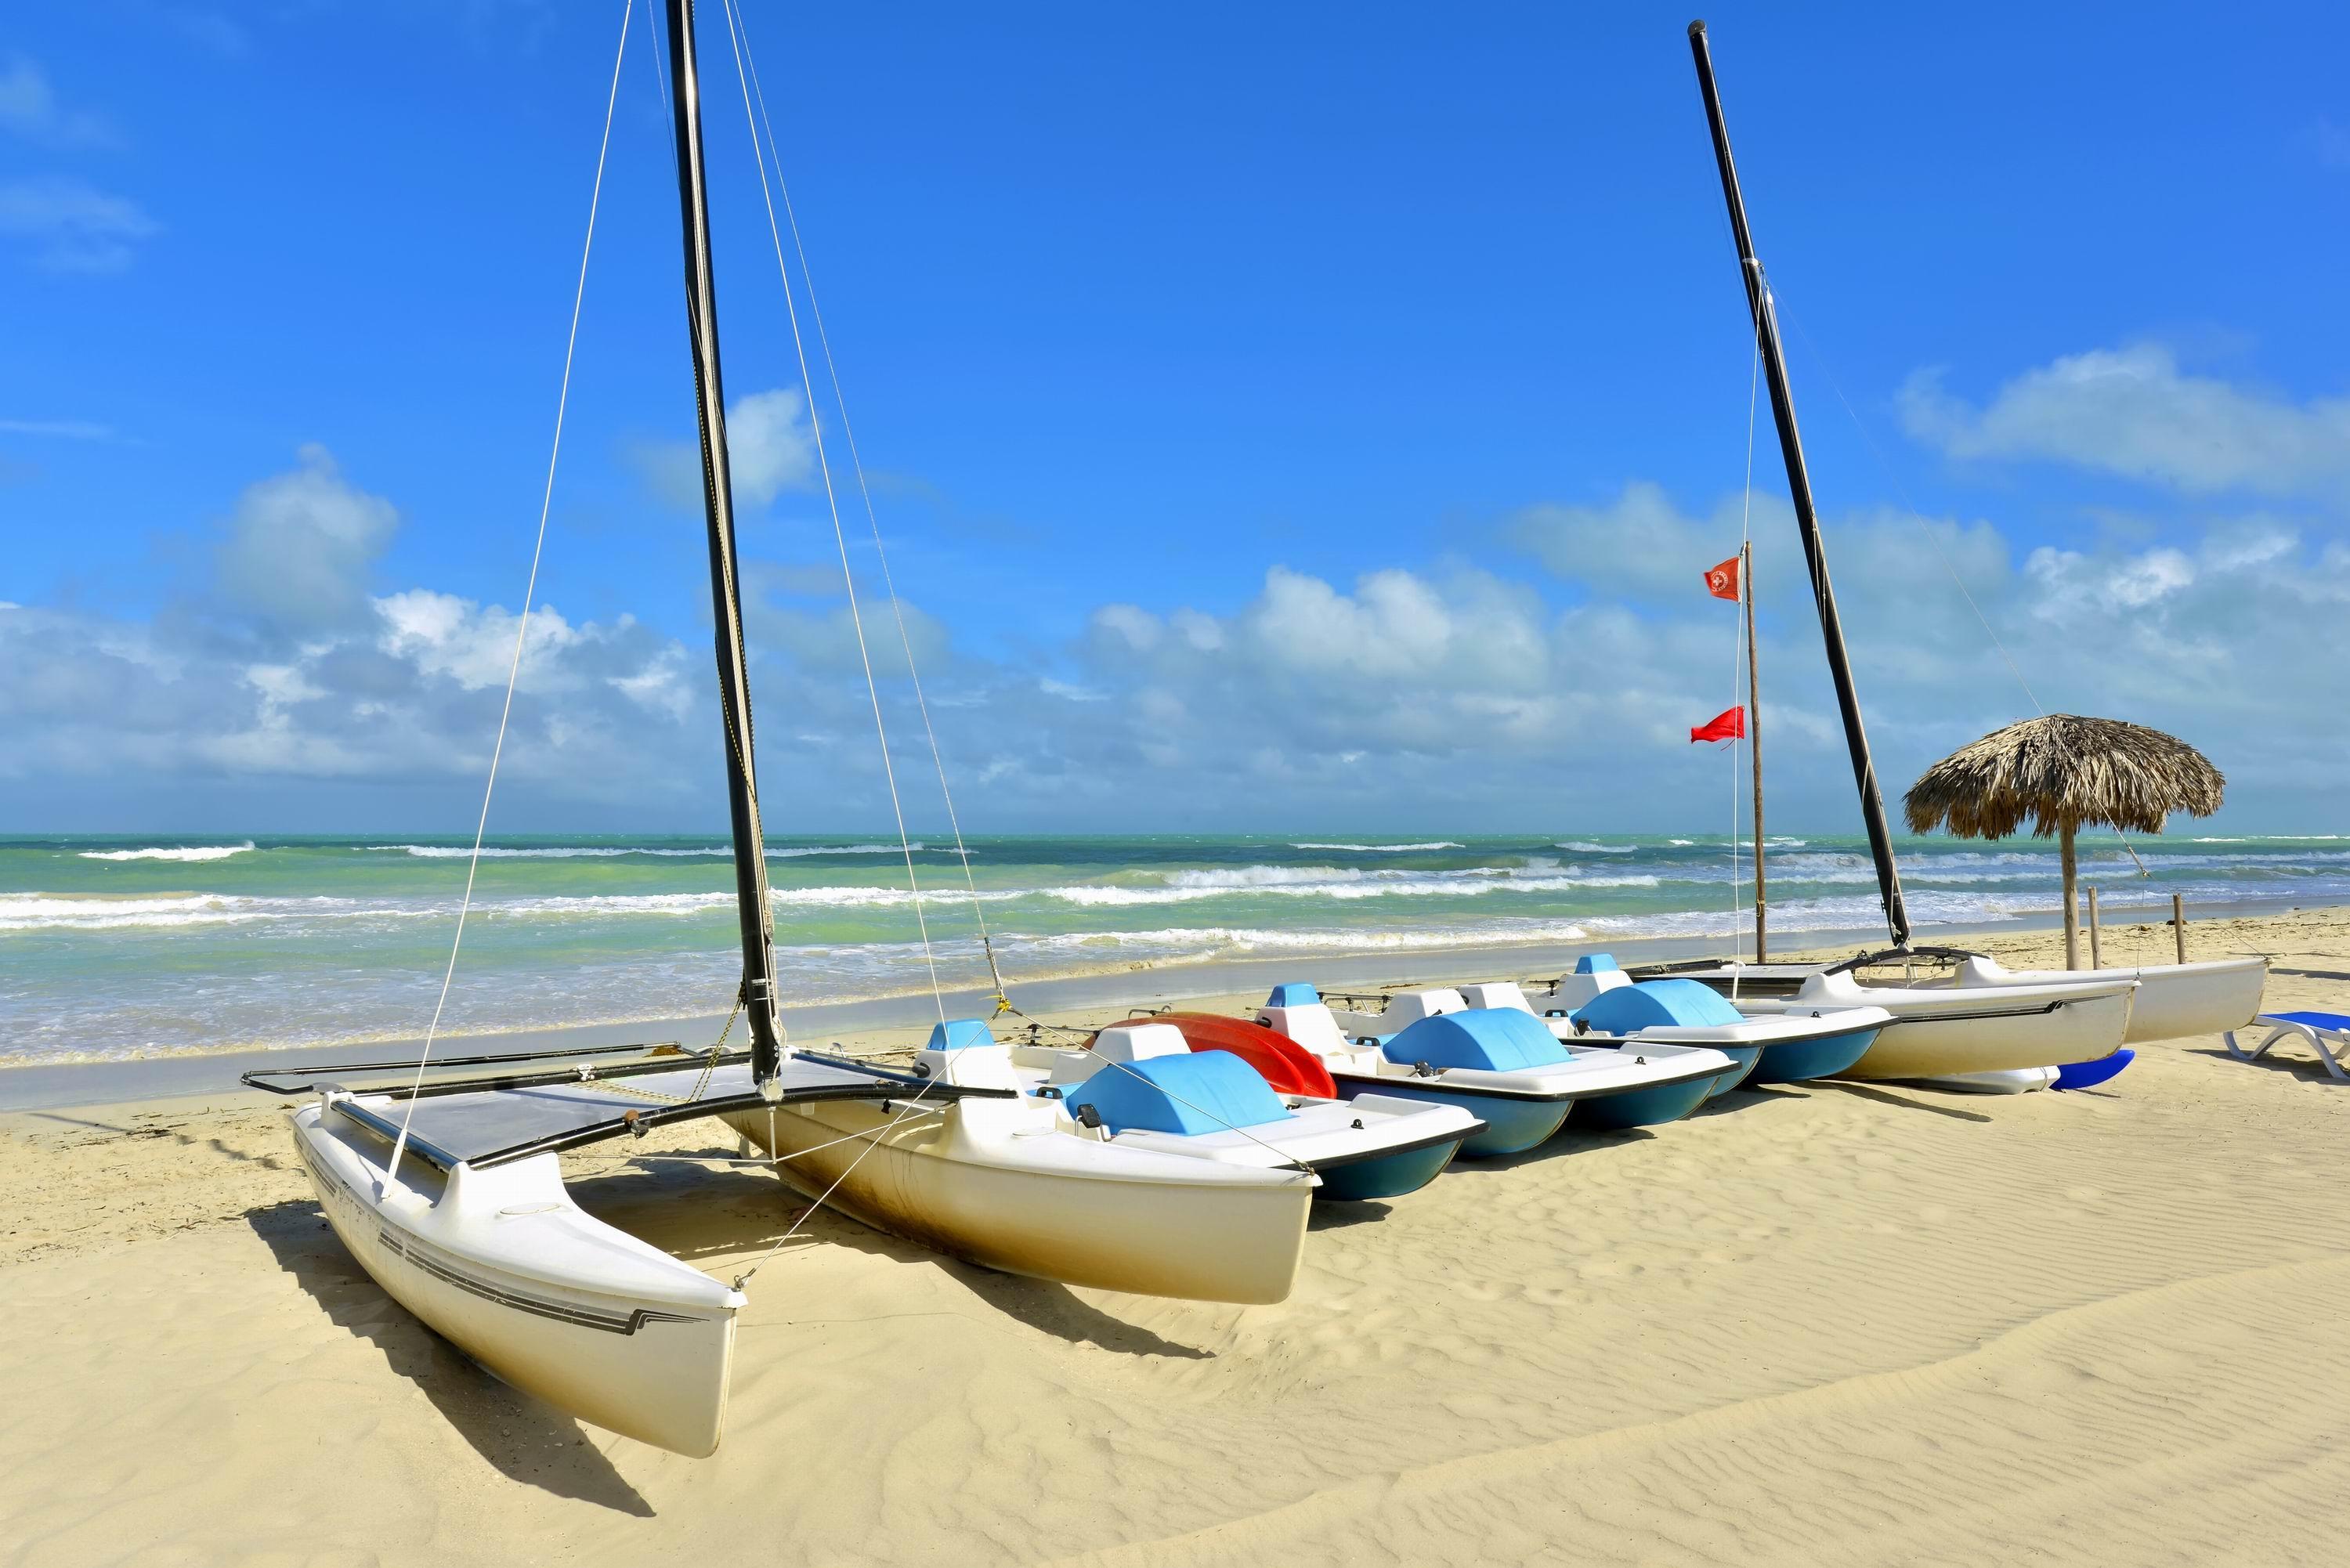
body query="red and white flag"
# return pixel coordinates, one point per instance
(1721, 581)
(1728, 725)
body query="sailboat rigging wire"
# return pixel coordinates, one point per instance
(1915, 516)
(872, 1142)
(1876, 453)
(832, 505)
(872, 517)
(522, 621)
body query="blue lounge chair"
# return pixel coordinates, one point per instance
(2327, 1032)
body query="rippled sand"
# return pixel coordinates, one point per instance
(1857, 1325)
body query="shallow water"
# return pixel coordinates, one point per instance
(131, 946)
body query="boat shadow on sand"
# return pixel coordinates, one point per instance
(523, 1440)
(695, 1210)
(689, 1210)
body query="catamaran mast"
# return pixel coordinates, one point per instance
(727, 602)
(1799, 484)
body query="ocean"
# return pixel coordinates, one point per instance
(134, 946)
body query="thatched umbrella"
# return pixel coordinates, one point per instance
(2065, 773)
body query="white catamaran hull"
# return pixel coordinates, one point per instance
(504, 1264)
(993, 1183)
(1938, 1030)
(2174, 1000)
(2013, 1081)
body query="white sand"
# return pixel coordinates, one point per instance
(1822, 1325)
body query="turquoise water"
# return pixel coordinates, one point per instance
(128, 947)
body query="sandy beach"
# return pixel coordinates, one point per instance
(1826, 1324)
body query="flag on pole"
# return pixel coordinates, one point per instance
(1721, 581)
(1728, 725)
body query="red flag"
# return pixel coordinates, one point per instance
(1721, 581)
(1727, 725)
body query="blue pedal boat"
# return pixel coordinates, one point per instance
(1141, 1084)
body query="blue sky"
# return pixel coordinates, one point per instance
(1314, 418)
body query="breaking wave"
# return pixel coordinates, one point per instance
(607, 852)
(212, 852)
(42, 911)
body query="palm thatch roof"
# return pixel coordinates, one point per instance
(2065, 772)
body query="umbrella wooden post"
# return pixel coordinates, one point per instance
(2178, 925)
(2072, 904)
(2096, 948)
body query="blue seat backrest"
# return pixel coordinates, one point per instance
(1685, 1003)
(959, 1035)
(1205, 1092)
(1491, 1039)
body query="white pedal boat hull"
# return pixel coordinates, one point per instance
(502, 1265)
(1943, 1030)
(995, 1183)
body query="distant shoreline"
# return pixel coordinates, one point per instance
(51, 1084)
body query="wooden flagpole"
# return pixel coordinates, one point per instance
(1753, 737)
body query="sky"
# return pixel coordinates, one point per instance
(1315, 416)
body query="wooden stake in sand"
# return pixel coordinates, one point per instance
(2178, 925)
(2096, 949)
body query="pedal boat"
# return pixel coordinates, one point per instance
(1020, 1183)
(1499, 1064)
(1779, 1048)
(1225, 1108)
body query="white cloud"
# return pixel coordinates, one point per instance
(1458, 696)
(2133, 412)
(280, 669)
(827, 640)
(769, 444)
(71, 225)
(769, 449)
(29, 108)
(297, 550)
(473, 644)
(1639, 540)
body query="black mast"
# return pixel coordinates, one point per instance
(727, 602)
(1799, 485)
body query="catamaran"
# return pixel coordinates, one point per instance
(1953, 1011)
(449, 1192)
